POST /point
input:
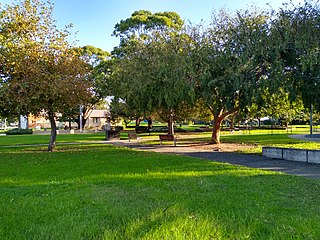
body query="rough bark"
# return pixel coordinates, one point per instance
(53, 135)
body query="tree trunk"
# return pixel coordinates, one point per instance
(84, 121)
(138, 120)
(149, 123)
(53, 135)
(215, 138)
(218, 118)
(233, 118)
(126, 122)
(259, 123)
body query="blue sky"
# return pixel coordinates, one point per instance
(94, 20)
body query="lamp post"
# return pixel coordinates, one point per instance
(80, 118)
(311, 120)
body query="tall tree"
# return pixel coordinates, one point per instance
(157, 76)
(141, 25)
(40, 70)
(151, 64)
(230, 62)
(296, 33)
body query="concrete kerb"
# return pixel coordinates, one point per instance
(292, 154)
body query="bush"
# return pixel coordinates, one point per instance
(118, 128)
(17, 131)
(141, 129)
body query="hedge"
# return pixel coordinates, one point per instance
(17, 131)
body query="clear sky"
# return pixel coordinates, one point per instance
(94, 20)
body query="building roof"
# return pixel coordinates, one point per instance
(99, 114)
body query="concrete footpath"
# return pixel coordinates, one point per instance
(249, 160)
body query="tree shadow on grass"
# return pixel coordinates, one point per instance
(124, 194)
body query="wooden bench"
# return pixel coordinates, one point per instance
(168, 138)
(133, 136)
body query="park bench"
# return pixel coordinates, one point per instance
(168, 138)
(133, 136)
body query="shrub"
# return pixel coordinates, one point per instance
(17, 131)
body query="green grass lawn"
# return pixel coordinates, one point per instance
(276, 140)
(44, 139)
(105, 192)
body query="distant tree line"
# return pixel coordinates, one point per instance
(251, 63)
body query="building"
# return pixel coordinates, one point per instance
(96, 119)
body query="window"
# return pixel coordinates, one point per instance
(95, 120)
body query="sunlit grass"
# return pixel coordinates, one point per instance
(44, 139)
(106, 192)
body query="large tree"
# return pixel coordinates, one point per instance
(296, 33)
(231, 62)
(157, 76)
(150, 70)
(140, 26)
(40, 69)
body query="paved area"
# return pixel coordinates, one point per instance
(314, 138)
(209, 152)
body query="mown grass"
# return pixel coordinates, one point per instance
(105, 192)
(44, 139)
(276, 140)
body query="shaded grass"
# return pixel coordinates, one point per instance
(105, 192)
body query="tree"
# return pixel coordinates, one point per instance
(40, 70)
(157, 76)
(120, 109)
(231, 63)
(296, 33)
(95, 57)
(150, 70)
(141, 25)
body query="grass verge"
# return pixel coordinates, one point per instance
(105, 192)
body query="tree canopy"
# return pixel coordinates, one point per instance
(40, 70)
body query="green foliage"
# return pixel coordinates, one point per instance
(18, 131)
(143, 22)
(53, 79)
(296, 35)
(230, 60)
(40, 70)
(151, 70)
(121, 110)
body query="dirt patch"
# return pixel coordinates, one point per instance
(222, 147)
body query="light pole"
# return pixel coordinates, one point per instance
(311, 120)
(80, 118)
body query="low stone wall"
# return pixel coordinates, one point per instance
(292, 154)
